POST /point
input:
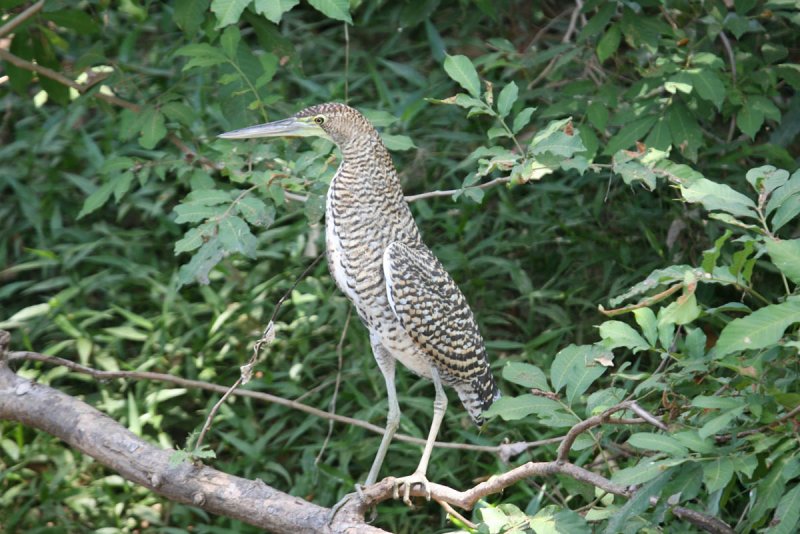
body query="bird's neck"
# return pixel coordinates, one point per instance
(367, 164)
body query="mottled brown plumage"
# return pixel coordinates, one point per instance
(413, 309)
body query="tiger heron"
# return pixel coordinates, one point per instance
(413, 309)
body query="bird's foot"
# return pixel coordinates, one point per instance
(408, 483)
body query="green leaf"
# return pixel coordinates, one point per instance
(507, 98)
(153, 129)
(202, 55)
(639, 502)
(787, 514)
(708, 86)
(228, 11)
(717, 473)
(618, 334)
(719, 423)
(749, 120)
(598, 115)
(657, 442)
(335, 9)
(636, 130)
(274, 9)
(787, 211)
(256, 211)
(683, 311)
(525, 375)
(609, 43)
(718, 197)
(684, 130)
(786, 257)
(178, 111)
(195, 237)
(94, 201)
(522, 119)
(461, 70)
(208, 197)
(786, 191)
(235, 236)
(549, 411)
(760, 329)
(397, 142)
(575, 367)
(193, 212)
(199, 267)
(711, 256)
(230, 41)
(559, 144)
(189, 14)
(646, 470)
(646, 320)
(692, 440)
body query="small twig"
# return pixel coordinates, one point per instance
(573, 22)
(346, 64)
(452, 511)
(450, 192)
(649, 301)
(12, 24)
(246, 370)
(605, 417)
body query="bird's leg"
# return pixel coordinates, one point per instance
(439, 407)
(387, 365)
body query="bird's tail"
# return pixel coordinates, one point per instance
(478, 396)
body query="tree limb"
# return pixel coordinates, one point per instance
(96, 435)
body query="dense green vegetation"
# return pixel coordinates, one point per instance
(652, 150)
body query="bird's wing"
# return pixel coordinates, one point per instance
(435, 314)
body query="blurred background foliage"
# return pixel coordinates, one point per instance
(114, 251)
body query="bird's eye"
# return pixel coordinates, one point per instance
(319, 119)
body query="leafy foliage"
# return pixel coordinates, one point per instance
(646, 160)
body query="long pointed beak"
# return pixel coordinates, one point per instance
(290, 127)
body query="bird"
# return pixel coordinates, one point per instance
(413, 309)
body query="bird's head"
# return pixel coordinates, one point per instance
(337, 122)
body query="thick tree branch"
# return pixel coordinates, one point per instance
(98, 436)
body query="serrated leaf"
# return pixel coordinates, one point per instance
(684, 130)
(228, 11)
(189, 14)
(230, 41)
(708, 86)
(760, 329)
(682, 311)
(785, 255)
(274, 9)
(198, 268)
(195, 237)
(256, 211)
(507, 98)
(191, 212)
(235, 236)
(461, 70)
(525, 375)
(618, 334)
(208, 197)
(335, 9)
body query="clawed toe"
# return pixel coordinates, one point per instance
(408, 483)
